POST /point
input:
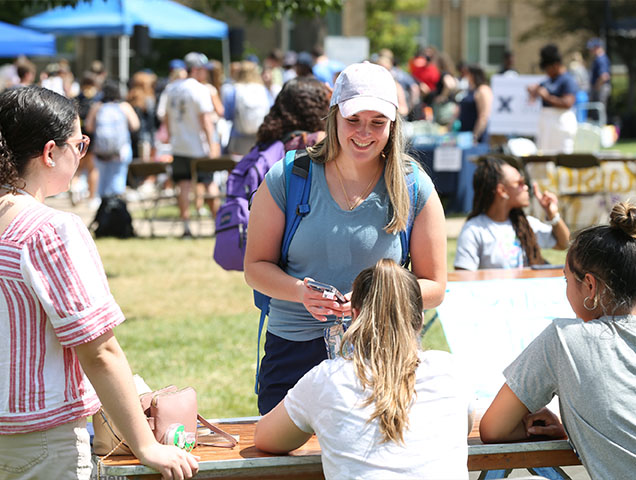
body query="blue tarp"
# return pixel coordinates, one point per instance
(15, 41)
(164, 19)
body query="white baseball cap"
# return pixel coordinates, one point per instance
(365, 86)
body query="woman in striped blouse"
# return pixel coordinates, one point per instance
(58, 356)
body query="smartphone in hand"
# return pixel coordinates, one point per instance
(328, 291)
(546, 266)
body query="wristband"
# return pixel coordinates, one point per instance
(555, 219)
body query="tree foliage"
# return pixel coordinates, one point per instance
(268, 11)
(14, 11)
(384, 30)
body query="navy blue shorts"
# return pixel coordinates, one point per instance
(284, 363)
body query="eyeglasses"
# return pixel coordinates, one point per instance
(80, 145)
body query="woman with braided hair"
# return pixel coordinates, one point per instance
(498, 234)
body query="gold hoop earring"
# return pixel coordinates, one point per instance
(594, 305)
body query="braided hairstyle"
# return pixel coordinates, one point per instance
(302, 104)
(487, 176)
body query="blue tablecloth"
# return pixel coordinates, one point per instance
(458, 186)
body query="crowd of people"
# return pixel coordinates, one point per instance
(381, 407)
(452, 94)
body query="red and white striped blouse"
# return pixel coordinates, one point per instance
(53, 296)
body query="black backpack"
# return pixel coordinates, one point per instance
(113, 219)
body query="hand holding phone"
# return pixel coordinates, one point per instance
(328, 291)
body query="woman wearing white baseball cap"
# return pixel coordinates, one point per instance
(359, 203)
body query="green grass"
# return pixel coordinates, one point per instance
(189, 322)
(625, 146)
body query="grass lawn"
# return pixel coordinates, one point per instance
(189, 322)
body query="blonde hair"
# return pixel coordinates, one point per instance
(248, 73)
(383, 342)
(397, 165)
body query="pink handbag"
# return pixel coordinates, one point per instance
(164, 408)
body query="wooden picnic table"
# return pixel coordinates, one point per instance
(245, 461)
(501, 274)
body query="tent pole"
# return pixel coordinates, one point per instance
(225, 53)
(106, 55)
(124, 58)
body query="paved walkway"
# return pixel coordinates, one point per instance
(172, 227)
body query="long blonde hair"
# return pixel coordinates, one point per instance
(397, 163)
(383, 342)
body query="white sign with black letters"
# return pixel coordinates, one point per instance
(513, 113)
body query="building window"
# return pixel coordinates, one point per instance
(429, 29)
(486, 40)
(334, 23)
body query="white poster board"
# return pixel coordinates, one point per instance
(347, 50)
(447, 159)
(488, 323)
(513, 113)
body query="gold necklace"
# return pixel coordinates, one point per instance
(361, 198)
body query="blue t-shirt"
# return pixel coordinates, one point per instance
(333, 245)
(560, 86)
(600, 65)
(325, 71)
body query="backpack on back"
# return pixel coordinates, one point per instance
(297, 190)
(231, 219)
(243, 181)
(251, 106)
(113, 219)
(111, 131)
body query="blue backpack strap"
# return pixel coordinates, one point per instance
(297, 188)
(262, 302)
(412, 183)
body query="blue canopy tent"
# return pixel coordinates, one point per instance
(164, 19)
(15, 41)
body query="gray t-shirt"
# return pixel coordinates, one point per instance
(484, 243)
(591, 366)
(332, 245)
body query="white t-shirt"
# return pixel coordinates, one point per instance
(186, 100)
(484, 243)
(328, 399)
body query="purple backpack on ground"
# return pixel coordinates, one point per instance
(243, 181)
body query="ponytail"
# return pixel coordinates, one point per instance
(383, 340)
